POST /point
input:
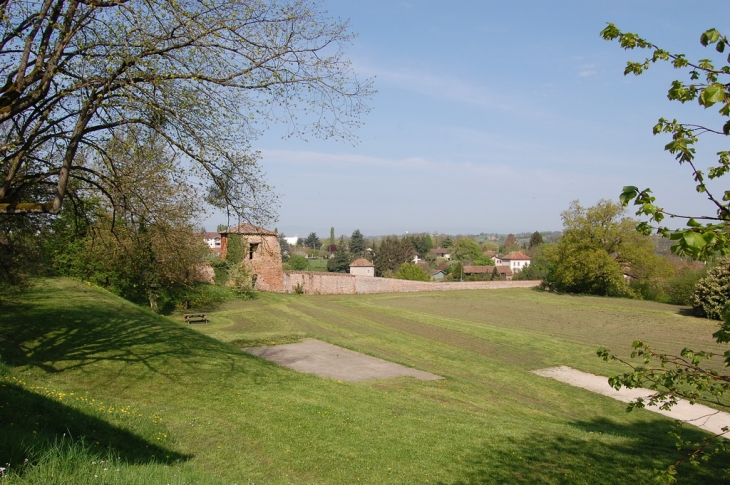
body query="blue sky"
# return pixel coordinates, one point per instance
(493, 116)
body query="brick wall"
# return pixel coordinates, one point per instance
(320, 283)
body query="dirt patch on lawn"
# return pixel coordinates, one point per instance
(327, 360)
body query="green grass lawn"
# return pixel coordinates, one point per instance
(96, 390)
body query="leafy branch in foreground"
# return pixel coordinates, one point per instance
(677, 377)
(705, 235)
(682, 376)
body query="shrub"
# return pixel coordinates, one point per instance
(652, 290)
(680, 288)
(413, 272)
(713, 291)
(298, 263)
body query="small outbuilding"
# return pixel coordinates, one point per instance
(362, 267)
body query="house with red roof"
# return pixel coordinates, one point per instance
(362, 267)
(515, 260)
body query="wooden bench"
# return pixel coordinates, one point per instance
(196, 317)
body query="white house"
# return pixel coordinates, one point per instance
(212, 239)
(362, 267)
(516, 261)
(441, 253)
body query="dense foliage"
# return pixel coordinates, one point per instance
(391, 254)
(712, 293)
(357, 243)
(298, 263)
(312, 241)
(413, 272)
(599, 251)
(340, 262)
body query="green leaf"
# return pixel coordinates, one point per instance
(726, 128)
(693, 223)
(709, 37)
(720, 47)
(694, 240)
(712, 94)
(628, 194)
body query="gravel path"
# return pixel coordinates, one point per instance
(698, 415)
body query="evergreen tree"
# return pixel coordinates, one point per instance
(284, 246)
(391, 253)
(221, 228)
(340, 263)
(312, 241)
(510, 244)
(536, 239)
(357, 243)
(448, 242)
(332, 236)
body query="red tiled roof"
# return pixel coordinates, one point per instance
(477, 269)
(211, 235)
(515, 255)
(362, 263)
(249, 229)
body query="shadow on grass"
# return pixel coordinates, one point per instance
(34, 424)
(602, 451)
(69, 326)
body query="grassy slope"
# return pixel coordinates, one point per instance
(211, 414)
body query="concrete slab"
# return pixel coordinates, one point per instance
(698, 415)
(326, 360)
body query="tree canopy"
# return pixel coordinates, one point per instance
(391, 254)
(535, 240)
(599, 247)
(413, 272)
(357, 243)
(206, 77)
(340, 262)
(466, 250)
(312, 241)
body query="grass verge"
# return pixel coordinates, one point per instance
(200, 411)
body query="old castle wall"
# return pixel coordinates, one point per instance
(320, 283)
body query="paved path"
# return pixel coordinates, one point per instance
(698, 415)
(327, 360)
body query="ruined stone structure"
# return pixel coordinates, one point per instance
(262, 255)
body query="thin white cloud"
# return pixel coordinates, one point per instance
(448, 87)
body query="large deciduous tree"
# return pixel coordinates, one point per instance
(204, 76)
(599, 250)
(466, 250)
(684, 375)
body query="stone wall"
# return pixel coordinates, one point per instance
(320, 283)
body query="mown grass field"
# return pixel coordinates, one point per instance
(95, 390)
